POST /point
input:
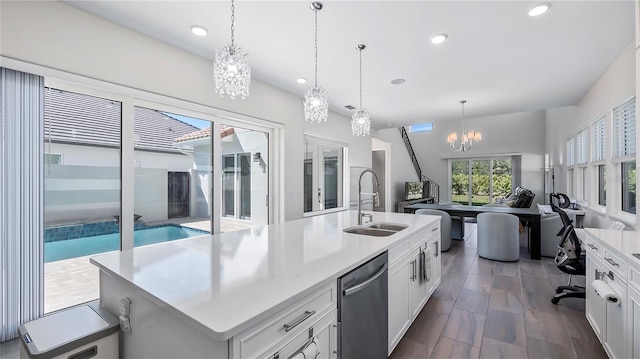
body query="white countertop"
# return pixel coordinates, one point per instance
(625, 242)
(228, 281)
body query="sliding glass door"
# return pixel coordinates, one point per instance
(480, 181)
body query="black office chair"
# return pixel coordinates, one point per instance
(569, 259)
(559, 199)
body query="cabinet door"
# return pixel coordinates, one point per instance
(633, 325)
(418, 285)
(433, 269)
(399, 319)
(326, 337)
(595, 303)
(615, 318)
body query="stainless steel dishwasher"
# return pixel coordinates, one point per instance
(363, 304)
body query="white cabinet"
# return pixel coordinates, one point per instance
(290, 325)
(399, 312)
(595, 303)
(616, 342)
(414, 273)
(435, 265)
(418, 284)
(617, 325)
(326, 339)
(633, 325)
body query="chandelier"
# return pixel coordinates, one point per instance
(360, 121)
(231, 69)
(466, 140)
(316, 105)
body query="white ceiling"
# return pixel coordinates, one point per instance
(497, 57)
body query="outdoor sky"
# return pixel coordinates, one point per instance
(190, 120)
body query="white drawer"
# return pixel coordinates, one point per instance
(399, 251)
(594, 248)
(418, 238)
(616, 263)
(634, 278)
(272, 331)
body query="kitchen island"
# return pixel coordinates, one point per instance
(228, 295)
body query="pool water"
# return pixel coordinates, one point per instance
(71, 248)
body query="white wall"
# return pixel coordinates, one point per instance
(400, 169)
(58, 36)
(521, 133)
(614, 86)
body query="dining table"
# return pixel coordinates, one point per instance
(530, 217)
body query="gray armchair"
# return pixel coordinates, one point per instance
(445, 226)
(498, 236)
(550, 225)
(457, 223)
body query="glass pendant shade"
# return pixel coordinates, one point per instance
(316, 105)
(360, 123)
(232, 72)
(231, 69)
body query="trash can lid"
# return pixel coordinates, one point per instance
(69, 329)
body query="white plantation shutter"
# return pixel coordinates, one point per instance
(582, 139)
(624, 129)
(599, 140)
(570, 152)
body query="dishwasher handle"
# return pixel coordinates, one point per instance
(363, 285)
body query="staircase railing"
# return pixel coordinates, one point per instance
(432, 187)
(412, 154)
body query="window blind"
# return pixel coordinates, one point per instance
(624, 127)
(570, 152)
(582, 139)
(21, 192)
(599, 140)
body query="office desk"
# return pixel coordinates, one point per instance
(528, 215)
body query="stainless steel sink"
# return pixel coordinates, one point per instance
(367, 231)
(376, 229)
(388, 226)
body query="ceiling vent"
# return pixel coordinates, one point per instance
(350, 107)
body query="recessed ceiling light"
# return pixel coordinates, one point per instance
(199, 30)
(438, 39)
(397, 81)
(301, 80)
(539, 9)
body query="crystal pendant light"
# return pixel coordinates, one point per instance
(316, 105)
(231, 69)
(466, 139)
(360, 121)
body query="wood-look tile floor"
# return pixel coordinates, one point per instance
(488, 309)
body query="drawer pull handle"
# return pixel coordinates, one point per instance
(612, 262)
(592, 246)
(296, 322)
(435, 229)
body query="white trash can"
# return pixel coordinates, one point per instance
(83, 332)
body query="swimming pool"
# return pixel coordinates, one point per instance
(78, 247)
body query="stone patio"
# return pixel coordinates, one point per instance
(75, 281)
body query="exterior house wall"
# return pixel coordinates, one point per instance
(87, 184)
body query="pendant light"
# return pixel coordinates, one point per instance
(316, 105)
(360, 121)
(466, 139)
(231, 69)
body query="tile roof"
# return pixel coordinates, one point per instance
(88, 120)
(204, 133)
